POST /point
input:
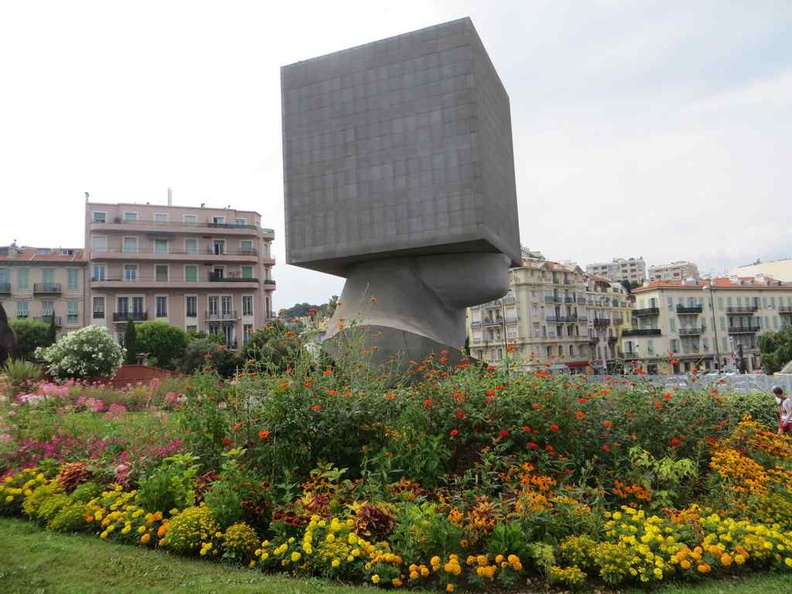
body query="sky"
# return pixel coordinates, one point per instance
(653, 129)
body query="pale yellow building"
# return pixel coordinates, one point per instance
(679, 325)
(41, 283)
(608, 312)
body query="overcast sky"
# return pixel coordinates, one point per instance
(654, 129)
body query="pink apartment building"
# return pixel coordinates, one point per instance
(202, 269)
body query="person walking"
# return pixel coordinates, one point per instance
(784, 410)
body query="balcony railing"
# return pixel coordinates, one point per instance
(744, 329)
(695, 331)
(269, 281)
(46, 288)
(5, 288)
(137, 316)
(601, 322)
(223, 316)
(497, 322)
(784, 309)
(166, 224)
(742, 309)
(567, 319)
(47, 319)
(214, 277)
(688, 309)
(646, 311)
(642, 332)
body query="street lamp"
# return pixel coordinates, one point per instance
(710, 290)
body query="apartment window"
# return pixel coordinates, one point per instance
(99, 272)
(160, 217)
(670, 302)
(192, 328)
(47, 307)
(191, 219)
(191, 246)
(98, 217)
(226, 305)
(22, 308)
(161, 306)
(723, 323)
(130, 244)
(130, 272)
(191, 306)
(571, 350)
(137, 305)
(720, 302)
(98, 308)
(247, 331)
(240, 222)
(247, 272)
(44, 252)
(130, 217)
(71, 310)
(4, 276)
(72, 279)
(246, 246)
(122, 306)
(675, 345)
(218, 220)
(247, 305)
(650, 346)
(218, 247)
(213, 304)
(161, 272)
(48, 276)
(673, 325)
(772, 302)
(99, 243)
(218, 271)
(191, 273)
(160, 246)
(23, 279)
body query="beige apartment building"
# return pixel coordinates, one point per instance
(542, 319)
(42, 283)
(706, 324)
(608, 312)
(676, 271)
(202, 269)
(620, 269)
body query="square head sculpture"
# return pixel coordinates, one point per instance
(398, 148)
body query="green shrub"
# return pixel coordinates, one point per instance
(21, 374)
(170, 485)
(240, 542)
(69, 518)
(206, 353)
(85, 353)
(30, 335)
(164, 344)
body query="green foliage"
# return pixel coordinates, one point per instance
(164, 344)
(274, 348)
(240, 542)
(130, 342)
(170, 485)
(30, 335)
(21, 374)
(207, 353)
(85, 353)
(190, 530)
(776, 349)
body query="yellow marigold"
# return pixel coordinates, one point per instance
(726, 560)
(449, 587)
(375, 578)
(145, 538)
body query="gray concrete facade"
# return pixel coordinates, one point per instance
(398, 148)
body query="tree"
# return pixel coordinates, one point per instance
(163, 343)
(53, 329)
(205, 351)
(30, 334)
(130, 342)
(776, 349)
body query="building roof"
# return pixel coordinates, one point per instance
(732, 282)
(11, 253)
(780, 269)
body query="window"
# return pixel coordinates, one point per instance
(47, 307)
(22, 308)
(72, 279)
(246, 247)
(247, 331)
(218, 220)
(130, 272)
(226, 306)
(670, 302)
(213, 306)
(191, 306)
(4, 276)
(161, 272)
(191, 273)
(122, 307)
(44, 251)
(160, 217)
(99, 243)
(218, 247)
(130, 217)
(98, 308)
(192, 329)
(137, 306)
(161, 306)
(191, 219)
(217, 271)
(191, 246)
(673, 325)
(247, 272)
(240, 222)
(71, 311)
(99, 272)
(98, 217)
(130, 244)
(160, 246)
(23, 279)
(247, 305)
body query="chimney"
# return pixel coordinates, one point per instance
(170, 197)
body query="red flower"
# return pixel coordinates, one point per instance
(549, 448)
(226, 442)
(675, 443)
(307, 384)
(264, 434)
(711, 440)
(238, 426)
(583, 400)
(553, 427)
(606, 448)
(504, 433)
(328, 372)
(667, 396)
(607, 424)
(427, 402)
(453, 432)
(526, 429)
(460, 414)
(532, 445)
(332, 392)
(490, 393)
(316, 408)
(443, 360)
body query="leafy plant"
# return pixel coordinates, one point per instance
(85, 353)
(21, 374)
(30, 335)
(164, 344)
(170, 485)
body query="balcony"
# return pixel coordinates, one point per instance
(601, 322)
(496, 322)
(567, 319)
(646, 311)
(270, 282)
(47, 319)
(268, 234)
(618, 321)
(46, 288)
(569, 300)
(785, 309)
(169, 227)
(151, 254)
(742, 309)
(612, 340)
(695, 331)
(136, 316)
(223, 316)
(215, 277)
(5, 288)
(641, 332)
(744, 329)
(688, 309)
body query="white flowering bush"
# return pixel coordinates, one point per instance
(85, 353)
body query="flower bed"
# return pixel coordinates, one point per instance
(464, 479)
